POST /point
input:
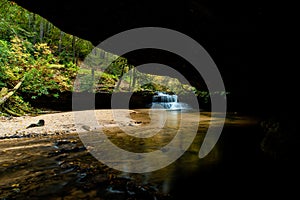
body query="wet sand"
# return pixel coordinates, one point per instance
(51, 162)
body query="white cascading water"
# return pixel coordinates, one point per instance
(167, 101)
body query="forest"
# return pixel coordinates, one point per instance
(38, 59)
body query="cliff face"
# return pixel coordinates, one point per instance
(236, 35)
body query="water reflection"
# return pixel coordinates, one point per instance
(60, 167)
(173, 122)
(145, 154)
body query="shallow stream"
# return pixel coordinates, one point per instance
(61, 167)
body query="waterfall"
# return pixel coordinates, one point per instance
(167, 101)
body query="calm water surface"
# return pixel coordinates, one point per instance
(61, 167)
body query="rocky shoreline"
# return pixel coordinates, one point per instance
(15, 127)
(55, 124)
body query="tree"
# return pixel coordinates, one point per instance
(60, 41)
(74, 48)
(41, 30)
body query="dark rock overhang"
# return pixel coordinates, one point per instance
(232, 32)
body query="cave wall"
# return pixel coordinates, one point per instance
(235, 33)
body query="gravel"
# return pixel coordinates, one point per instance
(60, 123)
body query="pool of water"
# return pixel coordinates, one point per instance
(62, 167)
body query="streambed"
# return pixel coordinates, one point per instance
(60, 166)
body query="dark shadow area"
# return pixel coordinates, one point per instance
(255, 161)
(103, 100)
(244, 170)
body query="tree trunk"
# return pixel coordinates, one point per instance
(9, 94)
(120, 77)
(93, 79)
(29, 22)
(60, 41)
(34, 28)
(74, 48)
(130, 78)
(47, 29)
(133, 78)
(41, 30)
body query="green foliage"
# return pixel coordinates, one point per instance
(108, 79)
(97, 82)
(117, 66)
(205, 95)
(148, 82)
(45, 61)
(35, 65)
(12, 21)
(155, 87)
(30, 56)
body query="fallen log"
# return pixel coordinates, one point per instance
(11, 93)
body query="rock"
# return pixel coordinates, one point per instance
(41, 122)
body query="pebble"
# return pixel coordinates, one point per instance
(56, 124)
